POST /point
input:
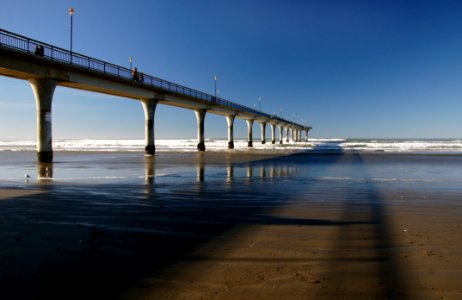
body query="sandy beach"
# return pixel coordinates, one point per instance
(226, 225)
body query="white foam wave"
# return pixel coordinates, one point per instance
(188, 145)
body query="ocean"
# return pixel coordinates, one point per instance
(429, 146)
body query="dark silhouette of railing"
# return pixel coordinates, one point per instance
(47, 51)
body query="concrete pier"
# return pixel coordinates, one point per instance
(149, 107)
(200, 117)
(230, 121)
(249, 133)
(51, 66)
(43, 91)
(273, 133)
(281, 137)
(263, 132)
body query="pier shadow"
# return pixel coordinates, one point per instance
(104, 239)
(375, 262)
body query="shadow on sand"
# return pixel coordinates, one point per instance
(100, 240)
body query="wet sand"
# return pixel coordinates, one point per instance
(231, 226)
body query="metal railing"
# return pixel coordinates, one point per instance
(77, 60)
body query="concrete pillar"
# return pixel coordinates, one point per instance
(287, 134)
(149, 107)
(299, 135)
(200, 116)
(230, 121)
(306, 136)
(273, 133)
(43, 92)
(281, 137)
(263, 132)
(249, 133)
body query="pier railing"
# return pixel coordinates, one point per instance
(77, 60)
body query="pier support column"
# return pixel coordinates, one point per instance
(200, 116)
(306, 136)
(43, 92)
(249, 133)
(273, 133)
(230, 121)
(263, 132)
(281, 137)
(287, 134)
(149, 107)
(299, 136)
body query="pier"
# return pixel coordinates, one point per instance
(46, 66)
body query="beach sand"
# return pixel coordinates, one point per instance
(225, 225)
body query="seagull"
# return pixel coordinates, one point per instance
(26, 175)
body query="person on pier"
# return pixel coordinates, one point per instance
(135, 75)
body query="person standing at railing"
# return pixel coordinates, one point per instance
(39, 50)
(135, 75)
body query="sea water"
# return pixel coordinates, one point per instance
(435, 146)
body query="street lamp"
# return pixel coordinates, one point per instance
(216, 79)
(259, 100)
(130, 59)
(71, 13)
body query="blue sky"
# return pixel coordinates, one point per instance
(351, 69)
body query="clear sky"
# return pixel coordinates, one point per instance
(350, 69)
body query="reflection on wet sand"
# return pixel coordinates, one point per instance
(149, 162)
(235, 171)
(200, 168)
(229, 170)
(44, 171)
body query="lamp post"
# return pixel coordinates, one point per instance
(71, 13)
(130, 59)
(216, 79)
(259, 100)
